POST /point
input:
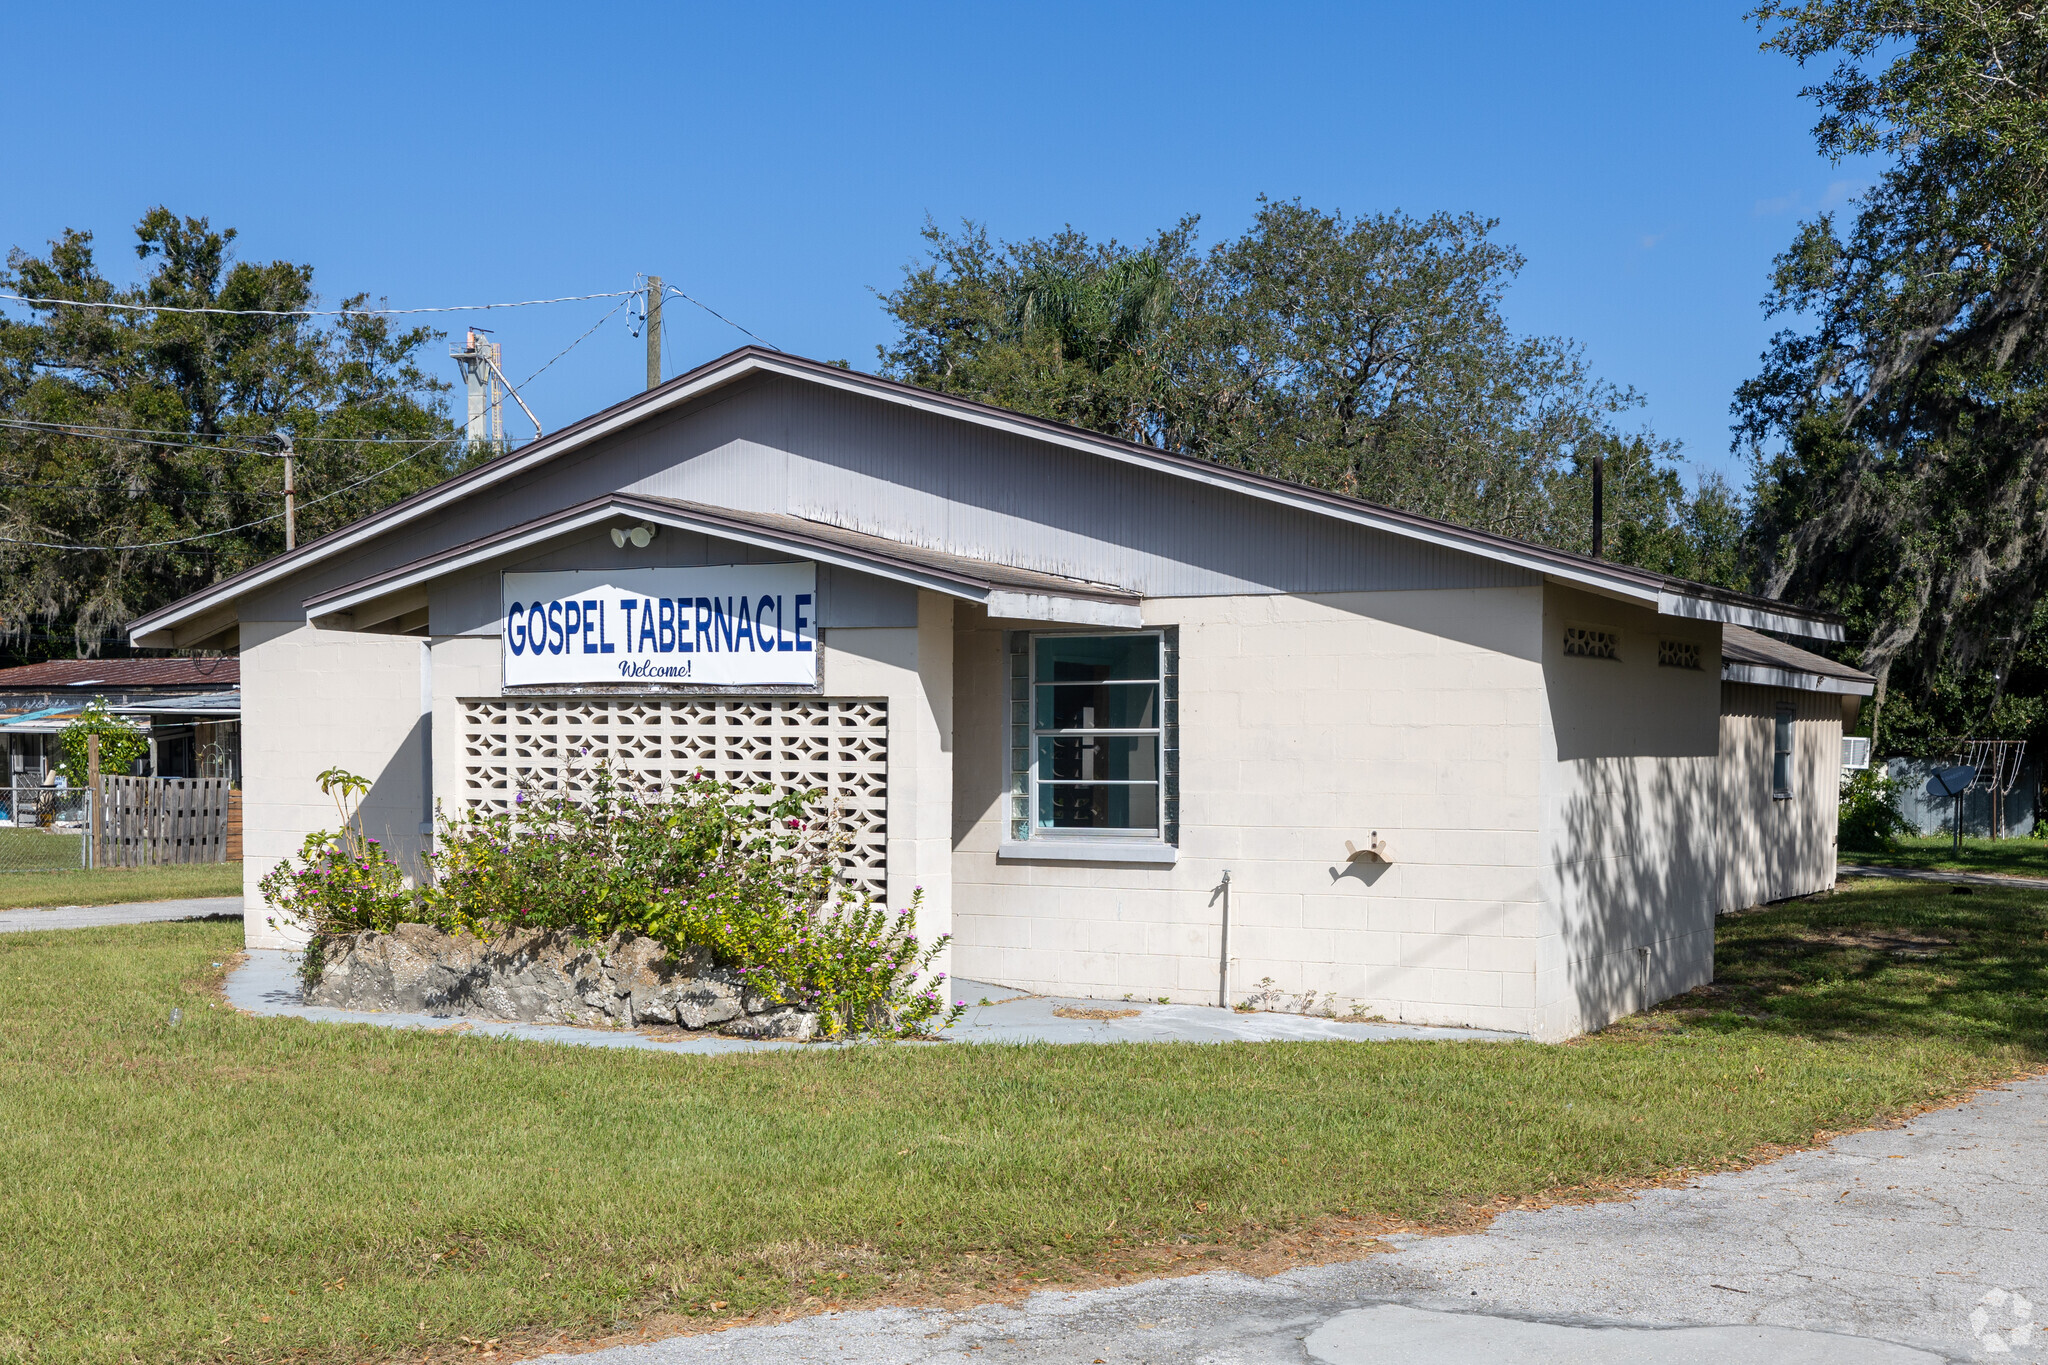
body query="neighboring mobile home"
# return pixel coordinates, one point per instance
(1060, 682)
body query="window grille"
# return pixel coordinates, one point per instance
(1094, 726)
(1781, 753)
(839, 749)
(1678, 654)
(1583, 642)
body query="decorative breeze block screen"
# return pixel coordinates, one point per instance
(1677, 654)
(1584, 642)
(839, 749)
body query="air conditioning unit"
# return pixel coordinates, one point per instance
(1855, 751)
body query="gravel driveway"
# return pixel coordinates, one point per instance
(1920, 1244)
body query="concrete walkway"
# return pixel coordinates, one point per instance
(134, 912)
(1914, 874)
(267, 983)
(1922, 1244)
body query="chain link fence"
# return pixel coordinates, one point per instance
(42, 829)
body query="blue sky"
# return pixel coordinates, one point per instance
(777, 161)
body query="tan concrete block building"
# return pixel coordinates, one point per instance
(1064, 685)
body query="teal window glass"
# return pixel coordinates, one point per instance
(1097, 732)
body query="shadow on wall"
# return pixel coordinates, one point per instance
(1937, 815)
(392, 811)
(1366, 870)
(1637, 866)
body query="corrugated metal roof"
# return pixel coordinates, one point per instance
(214, 673)
(1748, 656)
(31, 718)
(210, 704)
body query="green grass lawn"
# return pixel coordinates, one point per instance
(40, 850)
(235, 1189)
(116, 885)
(2011, 857)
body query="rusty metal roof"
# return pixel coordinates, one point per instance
(209, 675)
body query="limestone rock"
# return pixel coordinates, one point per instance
(527, 975)
(782, 1024)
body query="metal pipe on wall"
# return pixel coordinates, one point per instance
(1223, 966)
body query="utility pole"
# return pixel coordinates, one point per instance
(497, 400)
(654, 331)
(1599, 497)
(477, 358)
(291, 494)
(94, 823)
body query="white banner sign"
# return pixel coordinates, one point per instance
(726, 625)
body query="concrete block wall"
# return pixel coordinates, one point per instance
(912, 668)
(1777, 847)
(312, 700)
(1306, 721)
(463, 666)
(1629, 816)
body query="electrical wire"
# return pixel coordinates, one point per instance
(578, 341)
(93, 429)
(226, 531)
(426, 442)
(722, 317)
(131, 434)
(307, 312)
(144, 441)
(138, 492)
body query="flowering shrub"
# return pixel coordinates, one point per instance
(746, 877)
(854, 963)
(1869, 818)
(344, 882)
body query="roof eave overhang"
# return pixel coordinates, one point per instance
(151, 628)
(353, 608)
(1761, 675)
(1745, 614)
(165, 619)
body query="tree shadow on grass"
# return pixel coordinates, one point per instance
(1876, 959)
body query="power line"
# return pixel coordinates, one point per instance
(314, 312)
(142, 440)
(227, 531)
(723, 318)
(93, 429)
(425, 442)
(578, 341)
(140, 492)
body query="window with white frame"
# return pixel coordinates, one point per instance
(1093, 722)
(1781, 753)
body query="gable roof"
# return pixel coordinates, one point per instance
(1748, 657)
(1670, 596)
(1008, 592)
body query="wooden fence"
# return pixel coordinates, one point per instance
(145, 821)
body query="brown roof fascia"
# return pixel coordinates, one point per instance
(814, 535)
(837, 376)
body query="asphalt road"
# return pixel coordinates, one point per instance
(1921, 1244)
(134, 912)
